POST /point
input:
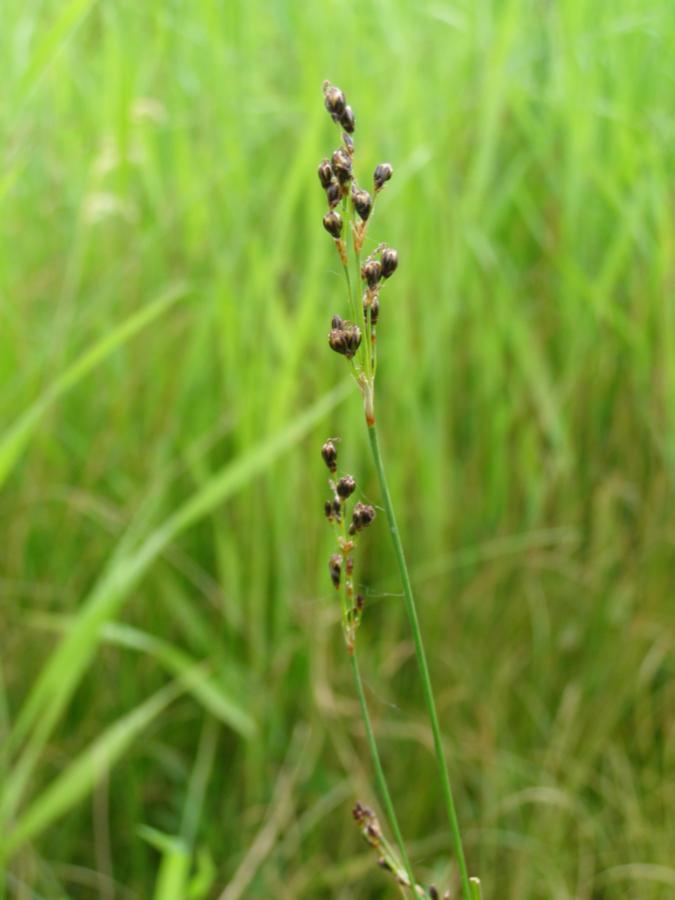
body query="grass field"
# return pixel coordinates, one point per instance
(177, 717)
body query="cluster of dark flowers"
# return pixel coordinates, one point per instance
(350, 208)
(347, 528)
(370, 828)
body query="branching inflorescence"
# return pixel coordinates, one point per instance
(349, 214)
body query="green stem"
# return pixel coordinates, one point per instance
(379, 771)
(411, 610)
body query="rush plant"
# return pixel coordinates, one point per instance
(347, 220)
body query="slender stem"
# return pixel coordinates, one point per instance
(347, 601)
(379, 771)
(411, 610)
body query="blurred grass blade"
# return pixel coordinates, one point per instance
(14, 441)
(52, 43)
(174, 868)
(476, 891)
(212, 695)
(83, 774)
(61, 674)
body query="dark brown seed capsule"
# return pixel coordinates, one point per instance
(346, 486)
(389, 262)
(360, 602)
(348, 142)
(382, 174)
(374, 308)
(349, 566)
(329, 455)
(347, 120)
(328, 510)
(335, 567)
(373, 835)
(344, 338)
(332, 222)
(337, 509)
(371, 272)
(362, 516)
(325, 173)
(333, 194)
(433, 893)
(334, 100)
(362, 203)
(342, 165)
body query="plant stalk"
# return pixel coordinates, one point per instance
(411, 610)
(379, 771)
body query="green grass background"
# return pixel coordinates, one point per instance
(176, 709)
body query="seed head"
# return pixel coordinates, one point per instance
(346, 486)
(333, 194)
(381, 175)
(332, 222)
(371, 272)
(389, 262)
(347, 120)
(362, 516)
(335, 568)
(374, 307)
(334, 100)
(362, 202)
(329, 455)
(325, 173)
(342, 165)
(344, 337)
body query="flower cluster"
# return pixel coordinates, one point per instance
(350, 209)
(341, 564)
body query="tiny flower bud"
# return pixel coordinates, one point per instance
(334, 100)
(332, 222)
(325, 173)
(382, 174)
(347, 120)
(389, 262)
(344, 337)
(333, 193)
(374, 307)
(362, 516)
(384, 864)
(349, 566)
(349, 143)
(362, 203)
(346, 486)
(329, 454)
(360, 602)
(371, 272)
(335, 567)
(342, 165)
(328, 510)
